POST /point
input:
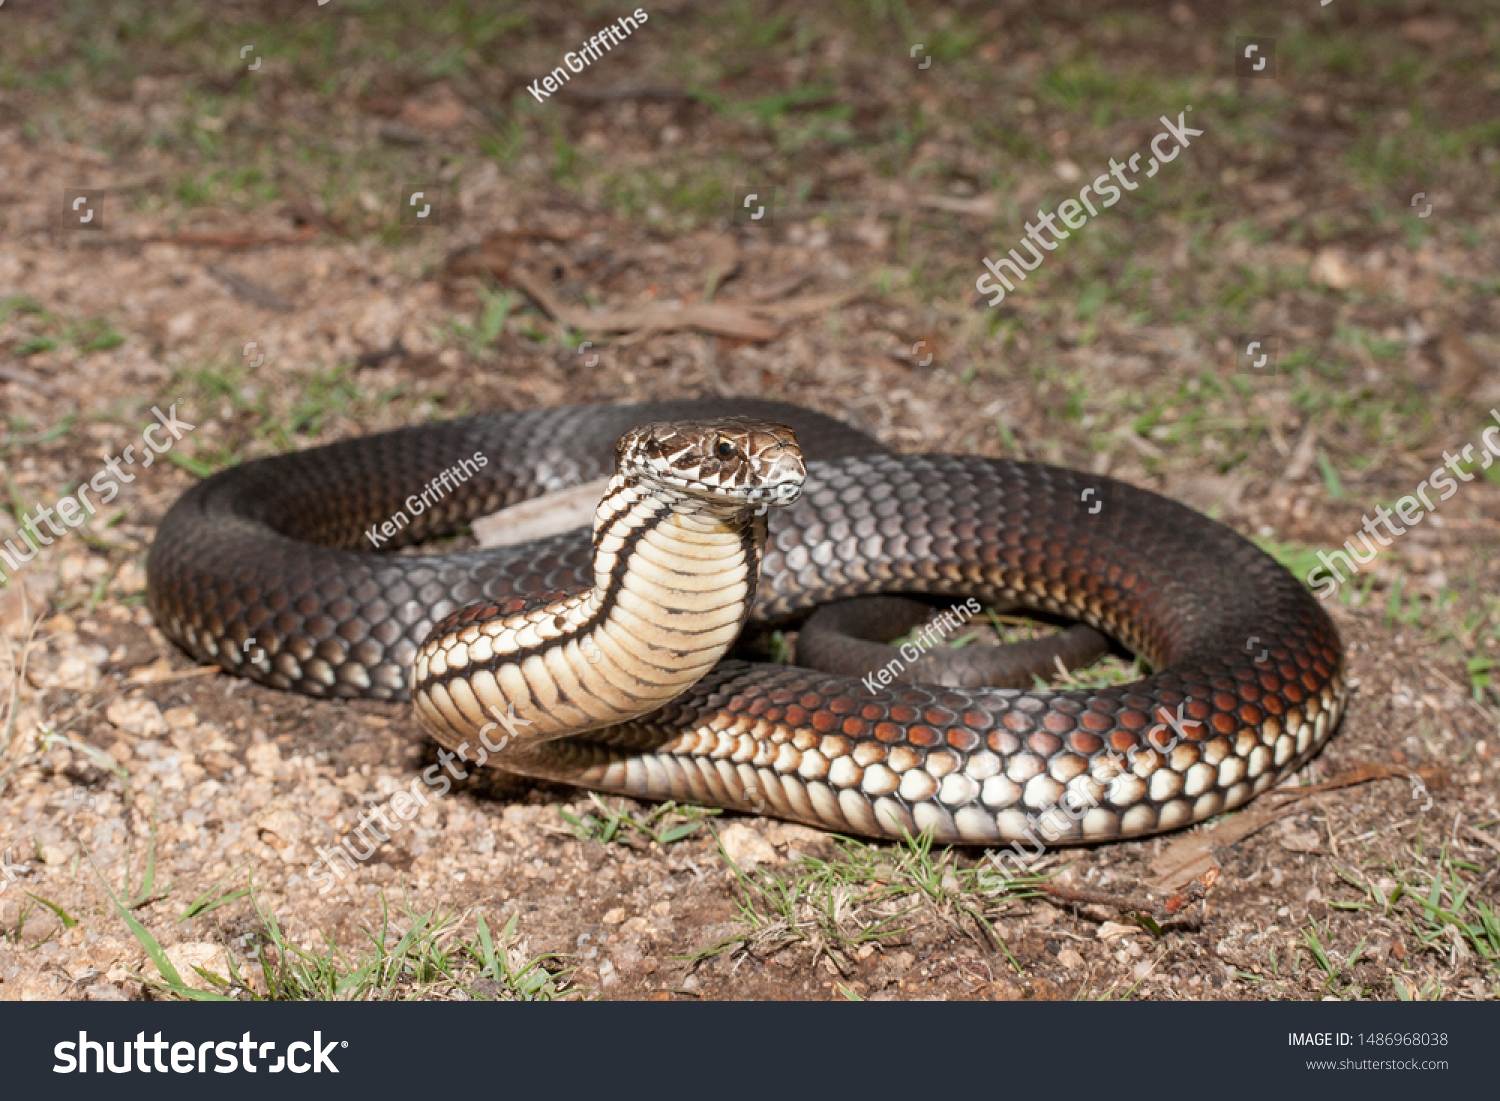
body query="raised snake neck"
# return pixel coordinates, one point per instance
(675, 574)
(235, 577)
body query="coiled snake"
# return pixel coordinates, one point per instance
(596, 661)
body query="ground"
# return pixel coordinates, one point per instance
(257, 259)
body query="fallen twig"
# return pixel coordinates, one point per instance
(1158, 911)
(1478, 835)
(249, 291)
(711, 317)
(235, 240)
(1193, 855)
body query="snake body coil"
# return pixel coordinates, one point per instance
(260, 570)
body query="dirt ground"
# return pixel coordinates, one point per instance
(255, 260)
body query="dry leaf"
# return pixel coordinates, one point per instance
(1305, 842)
(1429, 32)
(985, 206)
(1462, 365)
(1331, 267)
(436, 108)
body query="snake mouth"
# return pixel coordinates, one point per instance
(782, 493)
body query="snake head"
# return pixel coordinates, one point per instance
(732, 461)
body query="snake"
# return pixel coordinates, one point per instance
(849, 636)
(605, 657)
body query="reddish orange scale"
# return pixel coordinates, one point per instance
(1058, 723)
(963, 739)
(923, 735)
(1044, 745)
(1003, 742)
(1084, 743)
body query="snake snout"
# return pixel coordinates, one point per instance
(783, 471)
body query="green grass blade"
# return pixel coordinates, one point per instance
(68, 922)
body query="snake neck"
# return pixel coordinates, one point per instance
(672, 571)
(674, 581)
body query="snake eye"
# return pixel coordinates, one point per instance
(724, 449)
